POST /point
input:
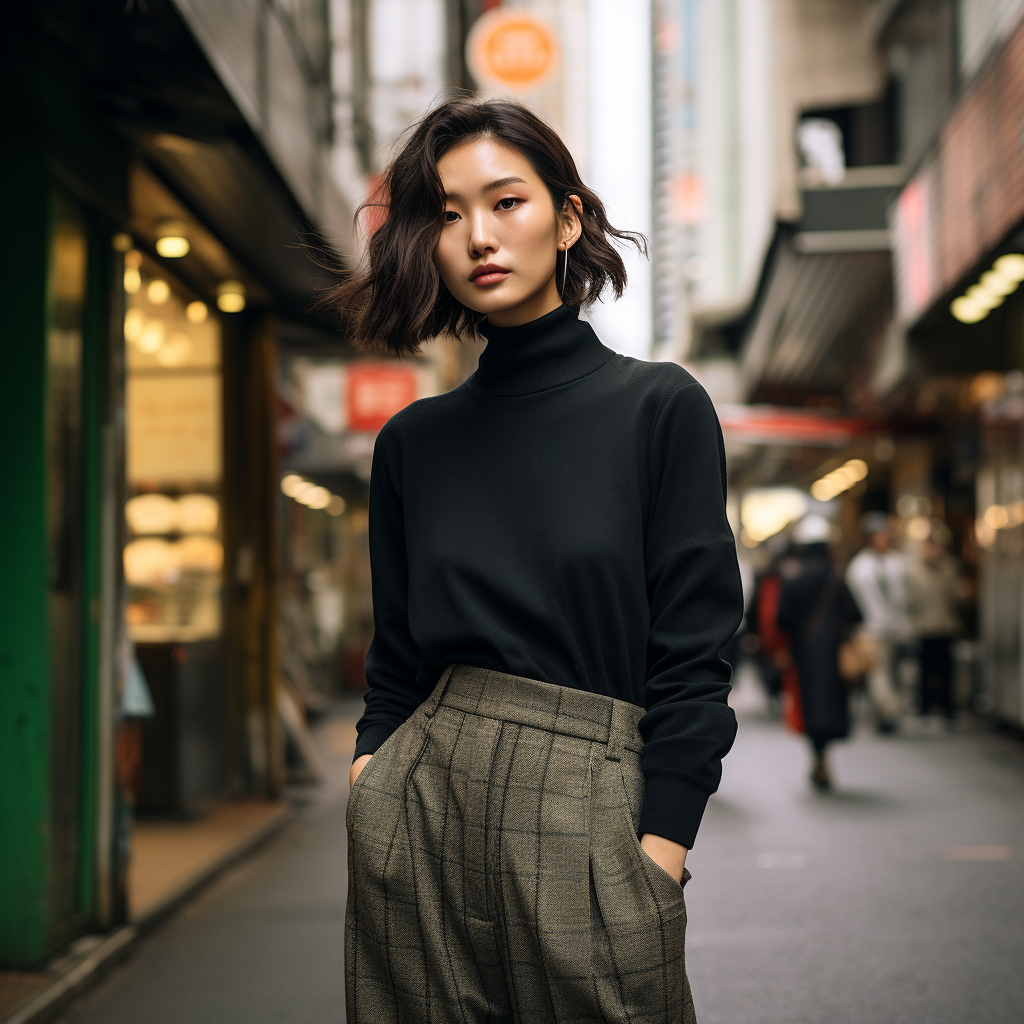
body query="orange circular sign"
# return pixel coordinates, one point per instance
(513, 48)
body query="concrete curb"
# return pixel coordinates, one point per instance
(117, 947)
(51, 1001)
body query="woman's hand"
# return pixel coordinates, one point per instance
(669, 856)
(357, 766)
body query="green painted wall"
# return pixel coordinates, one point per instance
(24, 670)
(56, 151)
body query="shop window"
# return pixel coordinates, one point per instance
(174, 557)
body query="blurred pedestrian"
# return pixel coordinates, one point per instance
(818, 612)
(554, 578)
(877, 578)
(933, 597)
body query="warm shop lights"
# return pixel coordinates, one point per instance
(839, 480)
(312, 495)
(991, 290)
(172, 239)
(998, 517)
(766, 511)
(132, 274)
(231, 296)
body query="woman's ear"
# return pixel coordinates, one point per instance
(570, 227)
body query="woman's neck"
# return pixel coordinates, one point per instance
(552, 350)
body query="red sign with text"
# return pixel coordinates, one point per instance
(376, 393)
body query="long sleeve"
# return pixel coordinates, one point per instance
(695, 600)
(394, 659)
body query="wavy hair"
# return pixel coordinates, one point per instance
(397, 299)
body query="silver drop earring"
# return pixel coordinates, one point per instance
(565, 273)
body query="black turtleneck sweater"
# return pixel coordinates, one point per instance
(561, 516)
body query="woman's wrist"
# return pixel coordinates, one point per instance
(669, 856)
(357, 766)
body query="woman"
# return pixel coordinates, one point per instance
(818, 611)
(553, 580)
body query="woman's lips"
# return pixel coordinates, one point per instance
(490, 273)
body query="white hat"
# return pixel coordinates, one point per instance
(813, 529)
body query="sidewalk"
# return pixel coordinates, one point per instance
(171, 861)
(264, 943)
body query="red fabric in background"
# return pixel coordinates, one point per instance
(774, 640)
(792, 709)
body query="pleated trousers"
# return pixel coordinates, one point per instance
(495, 872)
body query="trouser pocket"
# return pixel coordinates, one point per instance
(639, 915)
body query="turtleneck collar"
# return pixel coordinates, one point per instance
(553, 350)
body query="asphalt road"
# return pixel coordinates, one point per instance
(899, 897)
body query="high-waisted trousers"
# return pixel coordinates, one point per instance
(495, 873)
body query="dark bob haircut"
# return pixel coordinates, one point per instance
(397, 300)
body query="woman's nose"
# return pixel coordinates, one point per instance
(481, 237)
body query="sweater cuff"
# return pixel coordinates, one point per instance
(372, 738)
(673, 807)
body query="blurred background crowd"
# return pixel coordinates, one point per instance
(834, 195)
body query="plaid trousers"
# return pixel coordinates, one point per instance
(494, 869)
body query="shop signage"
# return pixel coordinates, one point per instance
(515, 49)
(962, 208)
(174, 429)
(376, 392)
(915, 280)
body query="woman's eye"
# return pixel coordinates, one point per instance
(450, 216)
(508, 204)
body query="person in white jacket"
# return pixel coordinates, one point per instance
(877, 577)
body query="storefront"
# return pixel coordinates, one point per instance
(958, 229)
(152, 269)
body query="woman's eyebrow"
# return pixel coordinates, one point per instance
(512, 179)
(502, 182)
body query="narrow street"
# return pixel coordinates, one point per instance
(898, 897)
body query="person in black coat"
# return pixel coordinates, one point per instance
(818, 611)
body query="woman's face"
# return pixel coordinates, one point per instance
(498, 244)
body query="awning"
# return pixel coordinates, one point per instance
(825, 298)
(819, 321)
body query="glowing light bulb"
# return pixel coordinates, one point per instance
(997, 284)
(152, 337)
(172, 239)
(134, 322)
(197, 312)
(319, 497)
(1011, 266)
(291, 484)
(231, 296)
(967, 311)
